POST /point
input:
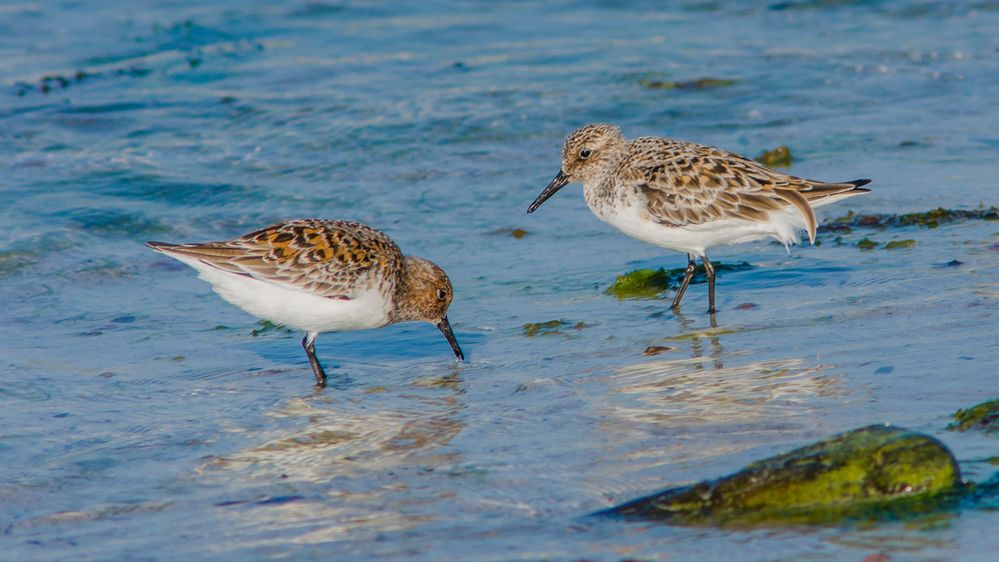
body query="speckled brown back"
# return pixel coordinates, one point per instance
(327, 258)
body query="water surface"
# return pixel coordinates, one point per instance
(143, 419)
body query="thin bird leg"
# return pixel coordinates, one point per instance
(710, 271)
(308, 342)
(687, 276)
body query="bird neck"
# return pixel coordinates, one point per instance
(598, 189)
(411, 289)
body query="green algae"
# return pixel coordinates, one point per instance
(900, 244)
(641, 283)
(928, 219)
(698, 84)
(867, 244)
(778, 157)
(650, 283)
(266, 327)
(532, 329)
(15, 260)
(551, 327)
(867, 473)
(983, 416)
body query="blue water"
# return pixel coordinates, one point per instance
(143, 420)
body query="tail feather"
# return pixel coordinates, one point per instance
(159, 246)
(824, 189)
(205, 251)
(819, 193)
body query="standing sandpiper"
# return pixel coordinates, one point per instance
(322, 276)
(688, 197)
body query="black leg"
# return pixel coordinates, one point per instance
(308, 342)
(687, 276)
(710, 271)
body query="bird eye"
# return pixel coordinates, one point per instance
(441, 294)
(585, 153)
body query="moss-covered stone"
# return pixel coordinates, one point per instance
(699, 84)
(866, 473)
(982, 416)
(778, 157)
(900, 244)
(650, 283)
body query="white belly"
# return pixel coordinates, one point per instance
(304, 311)
(635, 221)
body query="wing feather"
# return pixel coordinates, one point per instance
(326, 258)
(686, 184)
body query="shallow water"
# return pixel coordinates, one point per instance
(143, 419)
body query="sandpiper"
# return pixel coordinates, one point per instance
(322, 276)
(688, 197)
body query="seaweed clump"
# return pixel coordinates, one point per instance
(698, 84)
(928, 219)
(866, 474)
(650, 283)
(266, 327)
(551, 327)
(983, 416)
(867, 244)
(900, 244)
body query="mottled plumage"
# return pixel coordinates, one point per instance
(330, 259)
(318, 276)
(688, 197)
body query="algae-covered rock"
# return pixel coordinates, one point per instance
(780, 157)
(650, 283)
(982, 416)
(863, 473)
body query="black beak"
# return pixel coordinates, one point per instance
(445, 327)
(560, 181)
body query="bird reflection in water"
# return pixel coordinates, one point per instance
(697, 338)
(335, 459)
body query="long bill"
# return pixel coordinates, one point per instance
(445, 327)
(560, 181)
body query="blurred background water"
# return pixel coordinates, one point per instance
(145, 418)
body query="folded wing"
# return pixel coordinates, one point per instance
(688, 184)
(325, 258)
